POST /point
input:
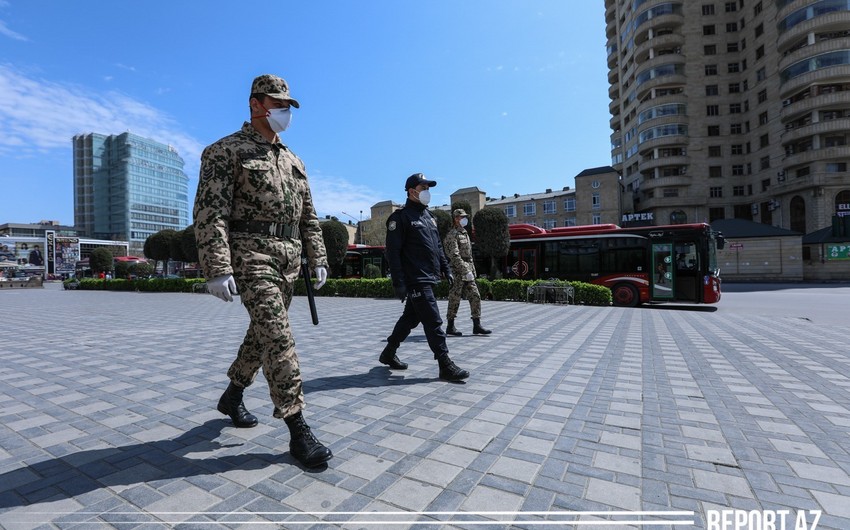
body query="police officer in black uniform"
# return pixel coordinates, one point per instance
(416, 258)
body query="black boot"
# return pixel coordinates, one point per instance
(231, 405)
(389, 358)
(449, 371)
(477, 329)
(303, 445)
(452, 330)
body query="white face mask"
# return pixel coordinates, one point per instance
(279, 119)
(463, 222)
(425, 197)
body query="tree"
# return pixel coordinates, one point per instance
(189, 244)
(335, 236)
(100, 260)
(444, 222)
(492, 237)
(142, 269)
(160, 247)
(175, 246)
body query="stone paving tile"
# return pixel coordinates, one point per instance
(586, 409)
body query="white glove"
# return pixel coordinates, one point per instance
(321, 277)
(469, 277)
(223, 287)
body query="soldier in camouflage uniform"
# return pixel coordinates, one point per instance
(459, 253)
(253, 216)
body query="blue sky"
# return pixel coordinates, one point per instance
(507, 95)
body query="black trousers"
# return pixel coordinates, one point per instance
(421, 306)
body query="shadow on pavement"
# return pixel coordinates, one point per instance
(85, 471)
(378, 376)
(681, 307)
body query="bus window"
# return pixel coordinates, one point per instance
(686, 256)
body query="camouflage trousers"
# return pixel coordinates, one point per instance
(269, 344)
(470, 291)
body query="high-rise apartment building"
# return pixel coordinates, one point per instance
(127, 187)
(731, 109)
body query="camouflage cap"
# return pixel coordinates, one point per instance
(274, 87)
(459, 212)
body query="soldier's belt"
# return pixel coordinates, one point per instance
(266, 228)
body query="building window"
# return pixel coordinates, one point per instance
(529, 208)
(711, 69)
(731, 27)
(596, 219)
(835, 141)
(764, 162)
(570, 204)
(735, 128)
(671, 192)
(733, 68)
(803, 171)
(708, 29)
(737, 149)
(715, 151)
(510, 210)
(759, 52)
(835, 167)
(711, 90)
(715, 171)
(738, 191)
(763, 118)
(732, 47)
(759, 30)
(714, 130)
(735, 108)
(760, 74)
(596, 201)
(709, 49)
(570, 221)
(708, 9)
(762, 96)
(549, 223)
(764, 140)
(549, 207)
(715, 214)
(712, 110)
(765, 184)
(715, 191)
(734, 88)
(730, 7)
(737, 170)
(757, 9)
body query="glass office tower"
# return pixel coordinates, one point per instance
(127, 188)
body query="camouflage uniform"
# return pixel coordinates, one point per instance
(244, 177)
(459, 252)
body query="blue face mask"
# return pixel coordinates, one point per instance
(279, 119)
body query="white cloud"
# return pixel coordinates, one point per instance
(4, 30)
(38, 116)
(334, 195)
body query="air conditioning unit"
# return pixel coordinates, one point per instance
(754, 208)
(786, 102)
(780, 176)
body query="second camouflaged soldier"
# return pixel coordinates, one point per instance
(253, 213)
(459, 253)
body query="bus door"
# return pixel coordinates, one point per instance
(663, 271)
(687, 275)
(522, 263)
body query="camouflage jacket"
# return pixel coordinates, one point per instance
(459, 252)
(246, 178)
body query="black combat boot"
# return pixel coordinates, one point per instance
(231, 405)
(303, 445)
(477, 329)
(389, 358)
(449, 371)
(452, 330)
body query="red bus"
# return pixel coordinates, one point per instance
(673, 263)
(359, 257)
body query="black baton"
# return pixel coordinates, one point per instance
(305, 271)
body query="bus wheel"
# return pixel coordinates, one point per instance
(625, 295)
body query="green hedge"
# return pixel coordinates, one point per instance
(585, 293)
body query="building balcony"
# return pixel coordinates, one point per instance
(664, 141)
(614, 92)
(841, 125)
(615, 120)
(817, 155)
(837, 21)
(669, 21)
(664, 162)
(673, 80)
(817, 48)
(666, 182)
(836, 74)
(836, 101)
(671, 40)
(613, 76)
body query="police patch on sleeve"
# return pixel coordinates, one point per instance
(391, 225)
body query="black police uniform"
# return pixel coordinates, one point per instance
(416, 259)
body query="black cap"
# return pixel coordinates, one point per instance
(417, 179)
